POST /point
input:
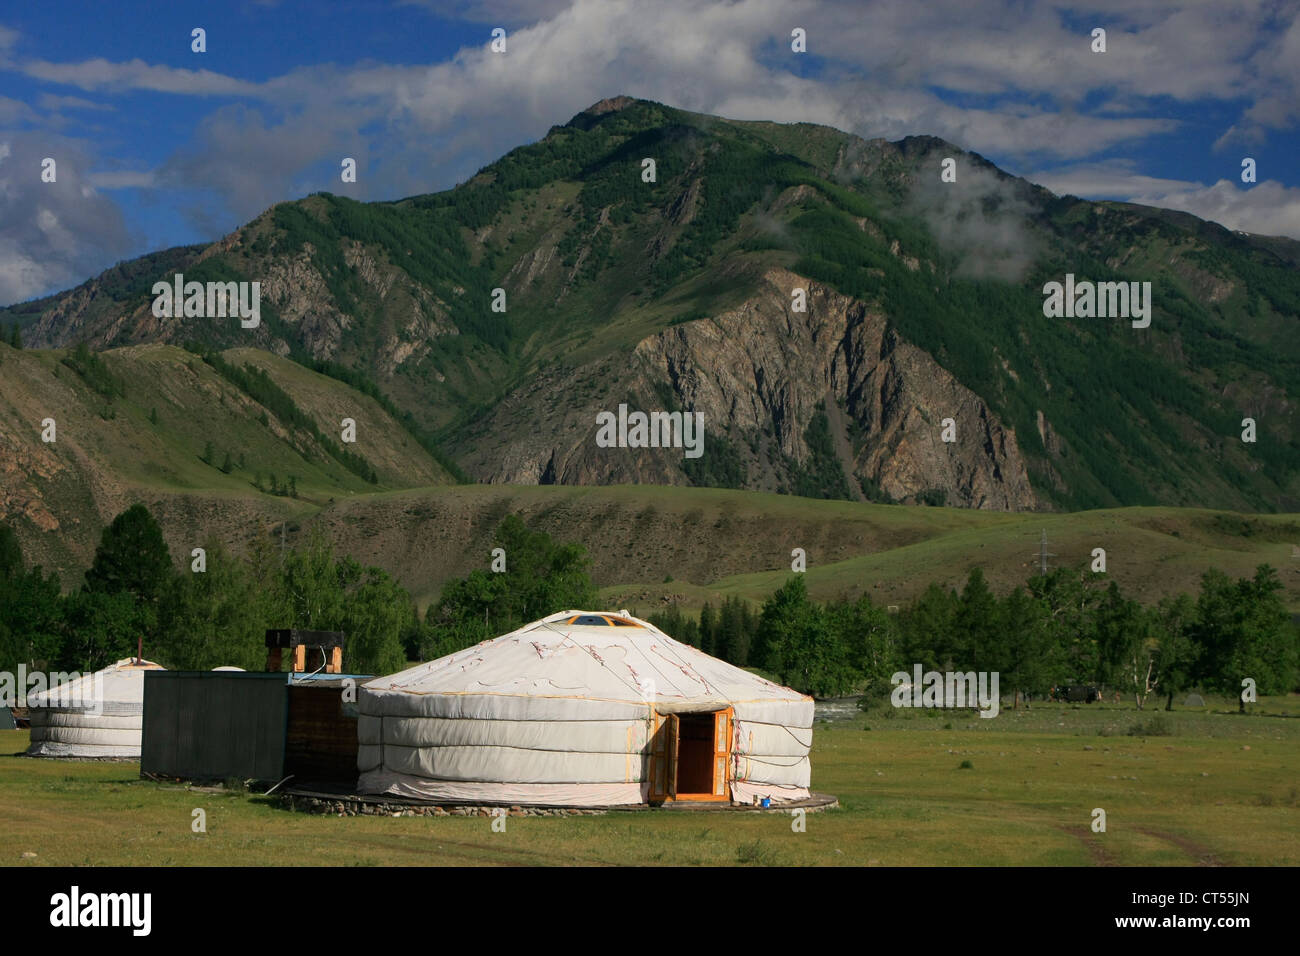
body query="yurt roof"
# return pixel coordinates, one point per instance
(123, 680)
(598, 655)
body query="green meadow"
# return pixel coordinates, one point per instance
(1203, 786)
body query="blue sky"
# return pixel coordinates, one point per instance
(157, 145)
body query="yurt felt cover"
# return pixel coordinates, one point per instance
(559, 713)
(67, 722)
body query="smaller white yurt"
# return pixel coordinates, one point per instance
(96, 715)
(583, 708)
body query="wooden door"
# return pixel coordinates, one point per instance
(673, 733)
(663, 757)
(722, 753)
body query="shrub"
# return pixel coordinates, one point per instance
(1156, 726)
(755, 852)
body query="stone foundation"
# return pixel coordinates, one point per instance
(355, 808)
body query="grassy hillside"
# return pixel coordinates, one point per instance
(158, 424)
(1151, 552)
(651, 547)
(135, 425)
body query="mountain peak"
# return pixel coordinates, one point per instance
(611, 104)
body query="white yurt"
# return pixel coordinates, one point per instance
(96, 715)
(583, 708)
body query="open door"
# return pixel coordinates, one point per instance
(663, 758)
(722, 753)
(672, 740)
(690, 757)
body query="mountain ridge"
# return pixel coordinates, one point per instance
(601, 271)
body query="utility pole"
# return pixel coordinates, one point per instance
(1043, 554)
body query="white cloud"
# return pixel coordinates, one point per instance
(496, 12)
(1268, 208)
(101, 74)
(717, 58)
(52, 235)
(14, 111)
(1218, 50)
(49, 101)
(1115, 179)
(122, 179)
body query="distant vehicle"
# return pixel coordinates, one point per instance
(1076, 692)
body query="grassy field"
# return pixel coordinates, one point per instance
(1203, 787)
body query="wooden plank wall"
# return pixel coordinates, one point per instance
(321, 737)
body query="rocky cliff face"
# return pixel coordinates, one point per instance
(408, 315)
(758, 374)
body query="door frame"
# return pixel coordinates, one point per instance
(664, 750)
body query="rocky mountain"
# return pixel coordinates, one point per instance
(848, 322)
(764, 373)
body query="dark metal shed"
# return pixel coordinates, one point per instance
(214, 725)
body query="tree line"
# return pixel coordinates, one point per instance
(1069, 626)
(195, 620)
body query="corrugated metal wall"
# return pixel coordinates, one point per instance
(213, 725)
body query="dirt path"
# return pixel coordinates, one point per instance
(1090, 843)
(1203, 855)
